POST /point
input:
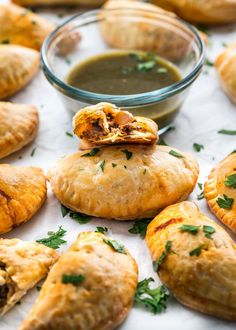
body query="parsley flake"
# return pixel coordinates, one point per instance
(225, 202)
(140, 227)
(231, 181)
(200, 185)
(118, 247)
(209, 63)
(200, 196)
(209, 231)
(127, 153)
(72, 279)
(157, 263)
(113, 164)
(227, 132)
(80, 218)
(153, 299)
(33, 152)
(190, 228)
(146, 66)
(101, 230)
(69, 134)
(64, 211)
(198, 147)
(175, 154)
(92, 153)
(162, 142)
(54, 239)
(197, 251)
(102, 165)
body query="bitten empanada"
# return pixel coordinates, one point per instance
(22, 193)
(18, 65)
(18, 126)
(22, 265)
(123, 182)
(119, 31)
(20, 26)
(85, 3)
(92, 286)
(105, 124)
(220, 191)
(195, 259)
(201, 11)
(226, 67)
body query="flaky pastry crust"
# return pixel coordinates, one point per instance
(18, 65)
(215, 188)
(18, 126)
(22, 193)
(35, 3)
(22, 265)
(100, 302)
(204, 282)
(105, 124)
(123, 182)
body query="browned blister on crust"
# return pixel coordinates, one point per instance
(22, 193)
(204, 280)
(22, 265)
(18, 126)
(215, 187)
(105, 124)
(101, 301)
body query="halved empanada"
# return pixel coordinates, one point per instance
(202, 11)
(226, 67)
(22, 193)
(20, 26)
(195, 259)
(123, 182)
(220, 191)
(22, 265)
(85, 3)
(18, 126)
(92, 286)
(104, 124)
(18, 65)
(147, 32)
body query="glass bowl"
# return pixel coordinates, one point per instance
(98, 31)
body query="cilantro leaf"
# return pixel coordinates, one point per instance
(72, 279)
(227, 132)
(175, 154)
(118, 247)
(231, 181)
(102, 230)
(102, 165)
(209, 231)
(92, 153)
(33, 152)
(140, 227)
(64, 211)
(200, 185)
(225, 202)
(153, 299)
(198, 147)
(146, 66)
(80, 218)
(200, 196)
(197, 251)
(113, 164)
(190, 228)
(69, 134)
(157, 263)
(127, 153)
(54, 239)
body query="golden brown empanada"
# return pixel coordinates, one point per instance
(118, 31)
(22, 193)
(85, 3)
(18, 126)
(124, 182)
(22, 265)
(226, 67)
(195, 258)
(202, 11)
(20, 26)
(104, 124)
(91, 287)
(220, 191)
(18, 65)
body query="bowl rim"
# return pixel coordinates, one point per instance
(121, 100)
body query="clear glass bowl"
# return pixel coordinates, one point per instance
(99, 31)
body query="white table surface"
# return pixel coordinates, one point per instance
(206, 110)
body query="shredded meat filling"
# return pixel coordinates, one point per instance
(4, 290)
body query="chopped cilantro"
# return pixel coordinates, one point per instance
(140, 227)
(190, 228)
(225, 202)
(127, 153)
(197, 251)
(101, 230)
(209, 231)
(118, 247)
(157, 263)
(231, 181)
(92, 153)
(175, 154)
(54, 239)
(72, 279)
(198, 147)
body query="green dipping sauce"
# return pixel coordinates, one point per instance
(123, 73)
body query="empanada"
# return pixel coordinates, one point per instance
(202, 11)
(22, 265)
(123, 182)
(119, 31)
(226, 67)
(22, 193)
(85, 3)
(220, 191)
(195, 259)
(18, 126)
(20, 26)
(92, 286)
(18, 65)
(104, 124)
